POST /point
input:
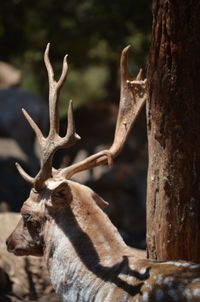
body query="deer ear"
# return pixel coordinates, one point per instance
(100, 201)
(60, 193)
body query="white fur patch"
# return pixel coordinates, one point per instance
(53, 184)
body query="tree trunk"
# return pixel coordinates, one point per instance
(173, 194)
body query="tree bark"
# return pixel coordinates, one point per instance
(173, 115)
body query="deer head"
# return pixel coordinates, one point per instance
(52, 191)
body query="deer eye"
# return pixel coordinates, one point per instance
(26, 217)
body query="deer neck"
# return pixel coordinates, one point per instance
(82, 240)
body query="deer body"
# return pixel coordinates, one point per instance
(63, 221)
(91, 262)
(86, 257)
(81, 248)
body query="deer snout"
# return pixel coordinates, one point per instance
(15, 246)
(13, 243)
(10, 244)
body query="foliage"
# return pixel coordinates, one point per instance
(93, 32)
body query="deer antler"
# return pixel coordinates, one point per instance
(53, 142)
(132, 98)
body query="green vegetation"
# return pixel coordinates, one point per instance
(92, 32)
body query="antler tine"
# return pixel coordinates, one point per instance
(71, 131)
(53, 93)
(132, 98)
(71, 124)
(50, 68)
(54, 89)
(24, 175)
(71, 136)
(139, 75)
(34, 126)
(48, 65)
(64, 72)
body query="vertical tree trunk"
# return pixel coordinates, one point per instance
(173, 195)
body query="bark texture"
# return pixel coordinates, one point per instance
(173, 197)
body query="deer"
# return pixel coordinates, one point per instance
(64, 221)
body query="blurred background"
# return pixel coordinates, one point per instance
(93, 33)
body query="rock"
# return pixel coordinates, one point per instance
(9, 75)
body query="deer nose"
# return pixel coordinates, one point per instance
(7, 241)
(9, 244)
